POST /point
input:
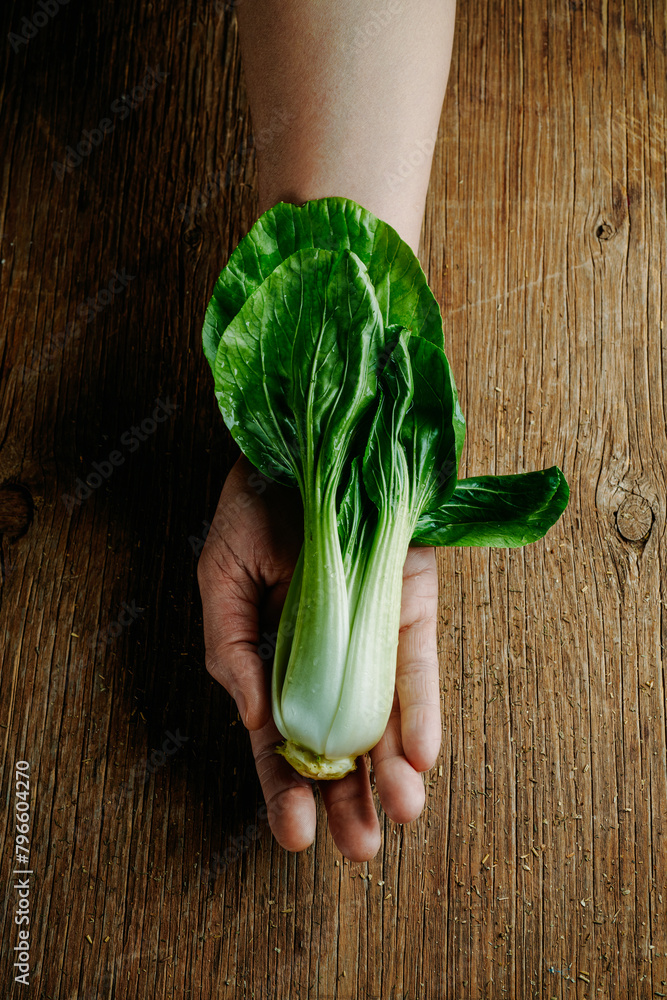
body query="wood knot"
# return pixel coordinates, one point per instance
(192, 237)
(605, 231)
(634, 518)
(16, 509)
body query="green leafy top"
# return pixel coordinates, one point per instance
(327, 349)
(401, 290)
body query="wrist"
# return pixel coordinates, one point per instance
(403, 211)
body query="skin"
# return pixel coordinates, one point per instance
(306, 64)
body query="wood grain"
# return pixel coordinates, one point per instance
(539, 867)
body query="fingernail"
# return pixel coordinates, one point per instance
(240, 704)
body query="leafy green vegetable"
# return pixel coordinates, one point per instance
(327, 349)
(497, 510)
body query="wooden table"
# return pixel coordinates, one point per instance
(539, 867)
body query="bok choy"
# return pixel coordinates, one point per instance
(327, 350)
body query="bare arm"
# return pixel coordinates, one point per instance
(347, 96)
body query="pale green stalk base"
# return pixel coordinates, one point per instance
(313, 765)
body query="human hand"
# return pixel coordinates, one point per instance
(244, 571)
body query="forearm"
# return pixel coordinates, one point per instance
(345, 98)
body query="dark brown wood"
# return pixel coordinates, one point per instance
(539, 867)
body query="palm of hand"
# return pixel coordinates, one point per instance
(244, 572)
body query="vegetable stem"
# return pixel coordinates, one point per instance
(311, 682)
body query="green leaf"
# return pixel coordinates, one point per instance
(415, 439)
(385, 469)
(295, 369)
(504, 511)
(400, 285)
(432, 433)
(351, 509)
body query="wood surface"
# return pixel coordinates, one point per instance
(539, 867)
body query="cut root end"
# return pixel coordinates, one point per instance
(313, 765)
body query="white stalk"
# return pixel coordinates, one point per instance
(333, 698)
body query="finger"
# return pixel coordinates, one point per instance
(417, 668)
(271, 609)
(230, 599)
(289, 797)
(353, 820)
(399, 785)
(418, 687)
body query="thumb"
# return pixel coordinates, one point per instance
(230, 603)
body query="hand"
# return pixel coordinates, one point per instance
(244, 572)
